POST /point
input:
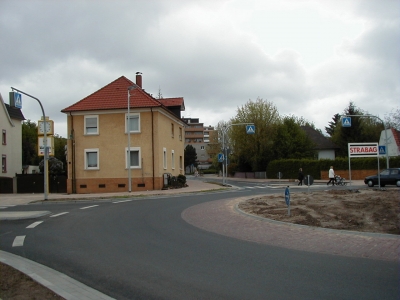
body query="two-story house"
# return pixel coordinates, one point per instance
(98, 155)
(11, 143)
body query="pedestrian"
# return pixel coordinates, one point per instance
(331, 175)
(300, 176)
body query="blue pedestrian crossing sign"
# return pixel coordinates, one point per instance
(287, 196)
(382, 150)
(15, 100)
(250, 129)
(346, 121)
(220, 157)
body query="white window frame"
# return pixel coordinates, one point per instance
(173, 159)
(132, 149)
(132, 115)
(86, 151)
(97, 125)
(165, 165)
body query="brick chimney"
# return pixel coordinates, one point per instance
(139, 79)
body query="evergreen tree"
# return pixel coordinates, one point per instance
(333, 124)
(190, 156)
(29, 143)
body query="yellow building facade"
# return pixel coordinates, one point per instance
(97, 149)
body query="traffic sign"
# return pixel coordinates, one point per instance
(220, 157)
(250, 129)
(15, 100)
(287, 196)
(363, 149)
(346, 121)
(382, 150)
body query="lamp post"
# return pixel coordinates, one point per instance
(129, 138)
(46, 152)
(225, 163)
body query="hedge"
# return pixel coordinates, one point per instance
(290, 167)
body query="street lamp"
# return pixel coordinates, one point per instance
(46, 151)
(129, 138)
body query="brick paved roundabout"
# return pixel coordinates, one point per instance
(223, 217)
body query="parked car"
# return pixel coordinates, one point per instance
(388, 176)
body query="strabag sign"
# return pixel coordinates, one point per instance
(363, 149)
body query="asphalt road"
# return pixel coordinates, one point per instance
(143, 249)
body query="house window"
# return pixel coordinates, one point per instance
(201, 147)
(4, 163)
(91, 159)
(91, 125)
(172, 129)
(180, 134)
(133, 124)
(180, 163)
(4, 137)
(165, 158)
(135, 157)
(173, 159)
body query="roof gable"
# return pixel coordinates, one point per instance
(115, 96)
(175, 102)
(321, 141)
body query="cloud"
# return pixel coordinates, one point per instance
(215, 54)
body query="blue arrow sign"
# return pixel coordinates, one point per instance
(382, 150)
(346, 122)
(220, 157)
(287, 196)
(250, 129)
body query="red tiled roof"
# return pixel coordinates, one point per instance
(178, 101)
(115, 96)
(396, 135)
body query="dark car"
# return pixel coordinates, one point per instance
(388, 176)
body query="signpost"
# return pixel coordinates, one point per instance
(287, 199)
(250, 129)
(346, 121)
(220, 157)
(382, 150)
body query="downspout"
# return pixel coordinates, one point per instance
(73, 155)
(152, 142)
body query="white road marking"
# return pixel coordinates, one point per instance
(19, 241)
(57, 215)
(122, 201)
(260, 187)
(6, 206)
(88, 207)
(33, 225)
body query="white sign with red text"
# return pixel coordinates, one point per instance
(363, 149)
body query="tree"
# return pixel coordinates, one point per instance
(55, 166)
(333, 124)
(29, 143)
(363, 129)
(393, 119)
(59, 148)
(253, 151)
(291, 140)
(190, 156)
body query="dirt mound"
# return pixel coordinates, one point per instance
(370, 210)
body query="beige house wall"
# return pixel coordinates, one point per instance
(111, 142)
(12, 149)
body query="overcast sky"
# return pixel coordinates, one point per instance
(309, 58)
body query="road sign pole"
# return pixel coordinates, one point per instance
(46, 156)
(225, 163)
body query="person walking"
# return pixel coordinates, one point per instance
(300, 176)
(331, 175)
